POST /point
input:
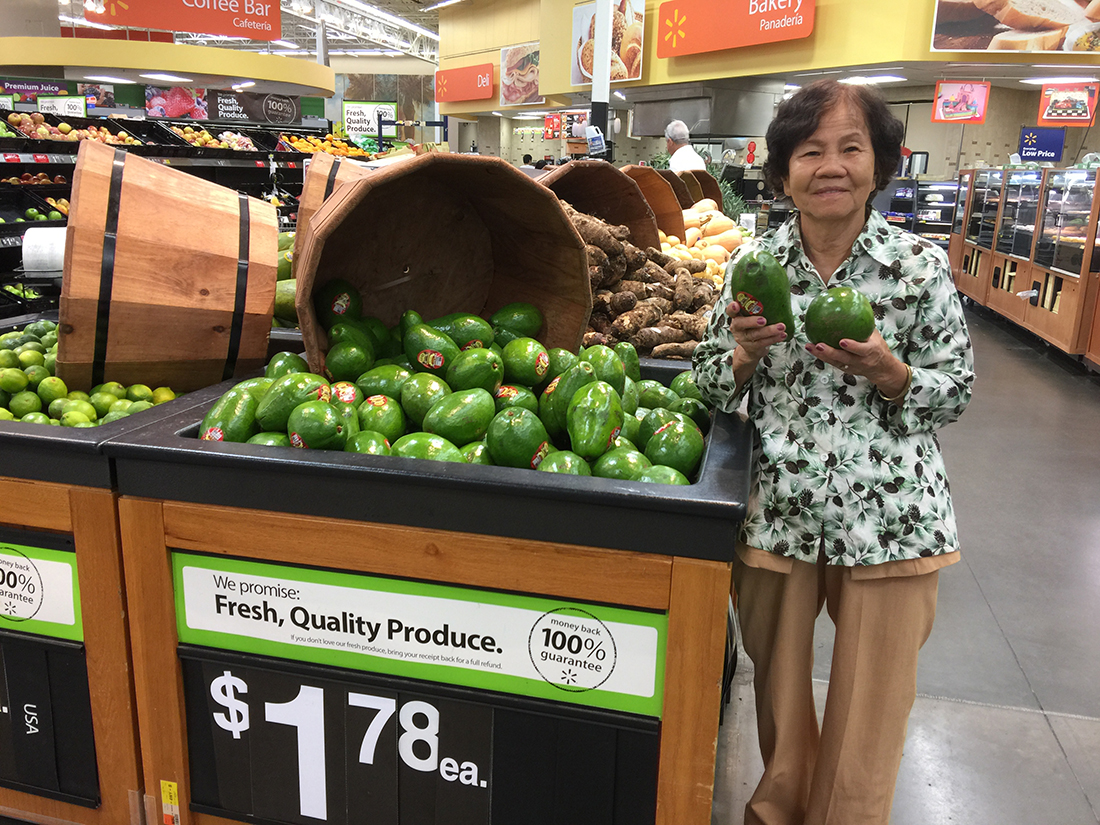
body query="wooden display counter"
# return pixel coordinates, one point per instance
(974, 274)
(1008, 275)
(596, 611)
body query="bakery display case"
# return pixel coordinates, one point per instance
(1008, 275)
(934, 207)
(985, 202)
(1065, 264)
(1016, 226)
(958, 226)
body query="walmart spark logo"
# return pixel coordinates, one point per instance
(1030, 139)
(676, 27)
(442, 87)
(111, 8)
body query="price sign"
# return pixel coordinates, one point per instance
(7, 102)
(64, 105)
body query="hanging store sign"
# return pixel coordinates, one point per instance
(1042, 144)
(64, 105)
(964, 102)
(27, 91)
(627, 37)
(248, 107)
(1068, 104)
(361, 119)
(519, 75)
(606, 657)
(696, 26)
(237, 18)
(464, 83)
(551, 129)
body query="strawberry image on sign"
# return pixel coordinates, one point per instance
(178, 102)
(430, 358)
(213, 434)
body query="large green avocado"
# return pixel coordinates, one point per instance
(758, 282)
(429, 350)
(838, 313)
(517, 438)
(462, 416)
(232, 418)
(554, 402)
(286, 393)
(593, 419)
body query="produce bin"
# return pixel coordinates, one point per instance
(708, 185)
(158, 289)
(539, 562)
(679, 188)
(323, 174)
(445, 233)
(71, 748)
(693, 186)
(661, 198)
(597, 188)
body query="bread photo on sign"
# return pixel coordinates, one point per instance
(626, 43)
(1006, 25)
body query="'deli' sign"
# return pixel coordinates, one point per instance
(695, 26)
(255, 19)
(465, 83)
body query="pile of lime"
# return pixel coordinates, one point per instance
(31, 394)
(467, 389)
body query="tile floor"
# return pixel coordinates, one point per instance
(1006, 727)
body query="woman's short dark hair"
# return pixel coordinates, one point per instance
(799, 116)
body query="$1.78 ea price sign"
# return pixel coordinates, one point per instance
(296, 749)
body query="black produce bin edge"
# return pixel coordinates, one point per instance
(165, 461)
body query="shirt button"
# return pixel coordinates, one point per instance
(824, 457)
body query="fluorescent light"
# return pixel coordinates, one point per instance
(871, 80)
(102, 78)
(791, 87)
(286, 44)
(1039, 81)
(815, 74)
(80, 21)
(167, 78)
(619, 95)
(371, 11)
(498, 114)
(441, 5)
(244, 84)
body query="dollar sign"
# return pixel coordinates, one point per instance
(224, 690)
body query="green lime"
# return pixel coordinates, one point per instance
(36, 418)
(24, 402)
(74, 417)
(31, 358)
(113, 416)
(139, 406)
(51, 361)
(5, 414)
(83, 407)
(139, 392)
(36, 374)
(102, 401)
(78, 395)
(8, 359)
(121, 405)
(30, 346)
(57, 407)
(49, 340)
(162, 394)
(114, 388)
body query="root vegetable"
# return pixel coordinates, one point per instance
(662, 304)
(645, 314)
(596, 256)
(694, 325)
(594, 231)
(601, 301)
(658, 257)
(683, 292)
(637, 287)
(623, 302)
(615, 269)
(600, 322)
(675, 351)
(635, 258)
(653, 274)
(659, 291)
(590, 339)
(650, 337)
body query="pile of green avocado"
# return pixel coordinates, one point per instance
(466, 389)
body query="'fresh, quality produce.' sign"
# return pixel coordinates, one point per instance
(254, 19)
(594, 655)
(695, 26)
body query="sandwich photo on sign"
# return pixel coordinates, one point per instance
(519, 75)
(1016, 25)
(627, 32)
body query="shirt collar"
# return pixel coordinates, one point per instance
(871, 240)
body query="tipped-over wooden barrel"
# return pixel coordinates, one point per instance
(597, 188)
(444, 233)
(661, 199)
(169, 279)
(679, 188)
(324, 173)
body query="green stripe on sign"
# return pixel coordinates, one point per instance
(585, 654)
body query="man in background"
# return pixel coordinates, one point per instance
(682, 158)
(527, 168)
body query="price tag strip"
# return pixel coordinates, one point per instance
(594, 655)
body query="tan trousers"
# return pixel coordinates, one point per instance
(845, 773)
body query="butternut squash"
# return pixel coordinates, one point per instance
(691, 218)
(717, 225)
(730, 239)
(692, 235)
(705, 204)
(715, 252)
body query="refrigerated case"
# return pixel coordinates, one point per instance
(1065, 263)
(985, 205)
(934, 207)
(1016, 227)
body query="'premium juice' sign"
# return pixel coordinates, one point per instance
(240, 18)
(695, 26)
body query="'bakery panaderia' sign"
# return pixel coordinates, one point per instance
(695, 26)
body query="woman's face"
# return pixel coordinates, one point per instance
(831, 174)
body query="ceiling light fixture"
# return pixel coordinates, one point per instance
(286, 44)
(871, 80)
(80, 21)
(1039, 81)
(167, 78)
(371, 11)
(441, 5)
(103, 78)
(498, 114)
(245, 84)
(619, 95)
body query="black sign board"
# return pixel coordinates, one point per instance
(272, 741)
(245, 107)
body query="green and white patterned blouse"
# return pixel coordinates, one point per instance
(834, 464)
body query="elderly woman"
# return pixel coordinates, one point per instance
(850, 505)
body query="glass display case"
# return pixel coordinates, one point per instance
(981, 227)
(934, 210)
(960, 211)
(1016, 228)
(1064, 223)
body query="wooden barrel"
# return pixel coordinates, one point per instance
(679, 188)
(169, 279)
(692, 184)
(660, 197)
(444, 233)
(324, 173)
(597, 188)
(708, 184)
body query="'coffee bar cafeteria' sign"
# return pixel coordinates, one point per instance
(696, 26)
(255, 19)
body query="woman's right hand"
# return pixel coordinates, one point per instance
(752, 333)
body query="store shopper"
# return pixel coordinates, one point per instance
(682, 158)
(850, 506)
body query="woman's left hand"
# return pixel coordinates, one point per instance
(871, 358)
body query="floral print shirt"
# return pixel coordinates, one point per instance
(835, 466)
